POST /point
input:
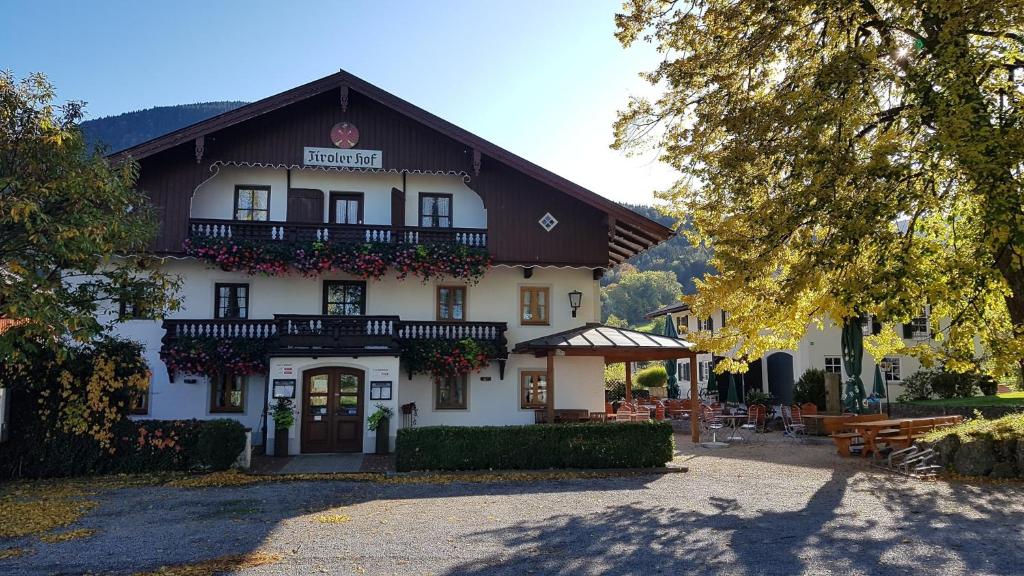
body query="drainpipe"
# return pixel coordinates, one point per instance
(266, 407)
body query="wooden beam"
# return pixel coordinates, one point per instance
(636, 230)
(694, 401)
(343, 97)
(629, 382)
(620, 231)
(551, 387)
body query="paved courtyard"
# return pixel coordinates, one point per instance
(775, 508)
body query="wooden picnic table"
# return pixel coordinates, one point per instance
(870, 430)
(816, 423)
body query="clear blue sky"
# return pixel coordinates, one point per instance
(541, 78)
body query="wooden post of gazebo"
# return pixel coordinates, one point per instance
(551, 387)
(629, 381)
(694, 401)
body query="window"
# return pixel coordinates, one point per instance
(891, 369)
(231, 301)
(682, 324)
(131, 309)
(139, 403)
(833, 365)
(708, 324)
(533, 389)
(684, 370)
(344, 298)
(450, 393)
(252, 203)
(533, 305)
(919, 325)
(346, 208)
(451, 303)
(703, 369)
(865, 324)
(227, 393)
(436, 210)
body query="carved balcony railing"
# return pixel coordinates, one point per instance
(298, 333)
(345, 233)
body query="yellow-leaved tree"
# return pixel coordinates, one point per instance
(842, 158)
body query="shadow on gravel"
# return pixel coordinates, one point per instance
(641, 539)
(142, 529)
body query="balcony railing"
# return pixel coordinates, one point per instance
(291, 333)
(353, 233)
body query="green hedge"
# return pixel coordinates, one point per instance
(533, 447)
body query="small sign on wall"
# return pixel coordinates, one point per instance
(313, 156)
(284, 388)
(380, 390)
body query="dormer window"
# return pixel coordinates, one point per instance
(436, 210)
(252, 203)
(707, 324)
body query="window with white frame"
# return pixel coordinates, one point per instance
(919, 324)
(833, 365)
(706, 324)
(891, 369)
(865, 324)
(703, 370)
(682, 324)
(684, 370)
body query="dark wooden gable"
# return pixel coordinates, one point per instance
(274, 131)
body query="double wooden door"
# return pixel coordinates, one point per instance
(332, 410)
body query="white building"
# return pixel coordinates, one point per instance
(354, 184)
(819, 348)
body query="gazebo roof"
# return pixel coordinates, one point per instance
(614, 344)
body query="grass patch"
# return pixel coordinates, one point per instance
(216, 565)
(1011, 426)
(333, 518)
(1007, 399)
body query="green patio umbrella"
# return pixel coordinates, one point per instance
(853, 356)
(731, 397)
(878, 390)
(712, 383)
(670, 365)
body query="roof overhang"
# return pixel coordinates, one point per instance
(613, 344)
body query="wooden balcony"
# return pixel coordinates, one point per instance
(343, 233)
(309, 334)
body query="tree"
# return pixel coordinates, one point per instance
(842, 158)
(638, 293)
(72, 230)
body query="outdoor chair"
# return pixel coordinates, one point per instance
(713, 422)
(808, 409)
(751, 426)
(625, 413)
(793, 424)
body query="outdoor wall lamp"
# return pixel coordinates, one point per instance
(574, 301)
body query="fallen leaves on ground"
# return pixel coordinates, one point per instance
(30, 510)
(69, 535)
(333, 518)
(13, 552)
(216, 565)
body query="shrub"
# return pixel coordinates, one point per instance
(758, 397)
(989, 386)
(653, 377)
(617, 391)
(534, 447)
(810, 388)
(218, 444)
(954, 384)
(918, 386)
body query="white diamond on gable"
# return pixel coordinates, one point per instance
(548, 222)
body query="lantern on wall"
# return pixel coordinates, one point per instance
(575, 298)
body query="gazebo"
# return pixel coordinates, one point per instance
(614, 345)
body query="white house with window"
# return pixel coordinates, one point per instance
(820, 348)
(343, 249)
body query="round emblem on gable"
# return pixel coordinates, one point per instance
(344, 135)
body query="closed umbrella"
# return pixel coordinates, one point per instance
(853, 356)
(731, 397)
(670, 365)
(878, 390)
(712, 383)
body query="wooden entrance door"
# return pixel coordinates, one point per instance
(305, 205)
(332, 410)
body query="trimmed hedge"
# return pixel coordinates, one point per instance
(535, 447)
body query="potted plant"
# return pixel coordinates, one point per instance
(283, 414)
(380, 422)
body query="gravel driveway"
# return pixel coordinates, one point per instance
(777, 508)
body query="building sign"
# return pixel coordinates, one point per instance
(313, 156)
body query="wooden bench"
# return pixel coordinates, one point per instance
(842, 432)
(913, 431)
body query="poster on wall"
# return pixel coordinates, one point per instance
(380, 390)
(284, 388)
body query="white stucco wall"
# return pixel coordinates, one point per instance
(215, 197)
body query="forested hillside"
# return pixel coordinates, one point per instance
(131, 128)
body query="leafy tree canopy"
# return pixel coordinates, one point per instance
(844, 157)
(71, 227)
(637, 293)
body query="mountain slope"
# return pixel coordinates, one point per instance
(131, 128)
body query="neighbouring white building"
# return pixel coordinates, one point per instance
(292, 221)
(820, 347)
